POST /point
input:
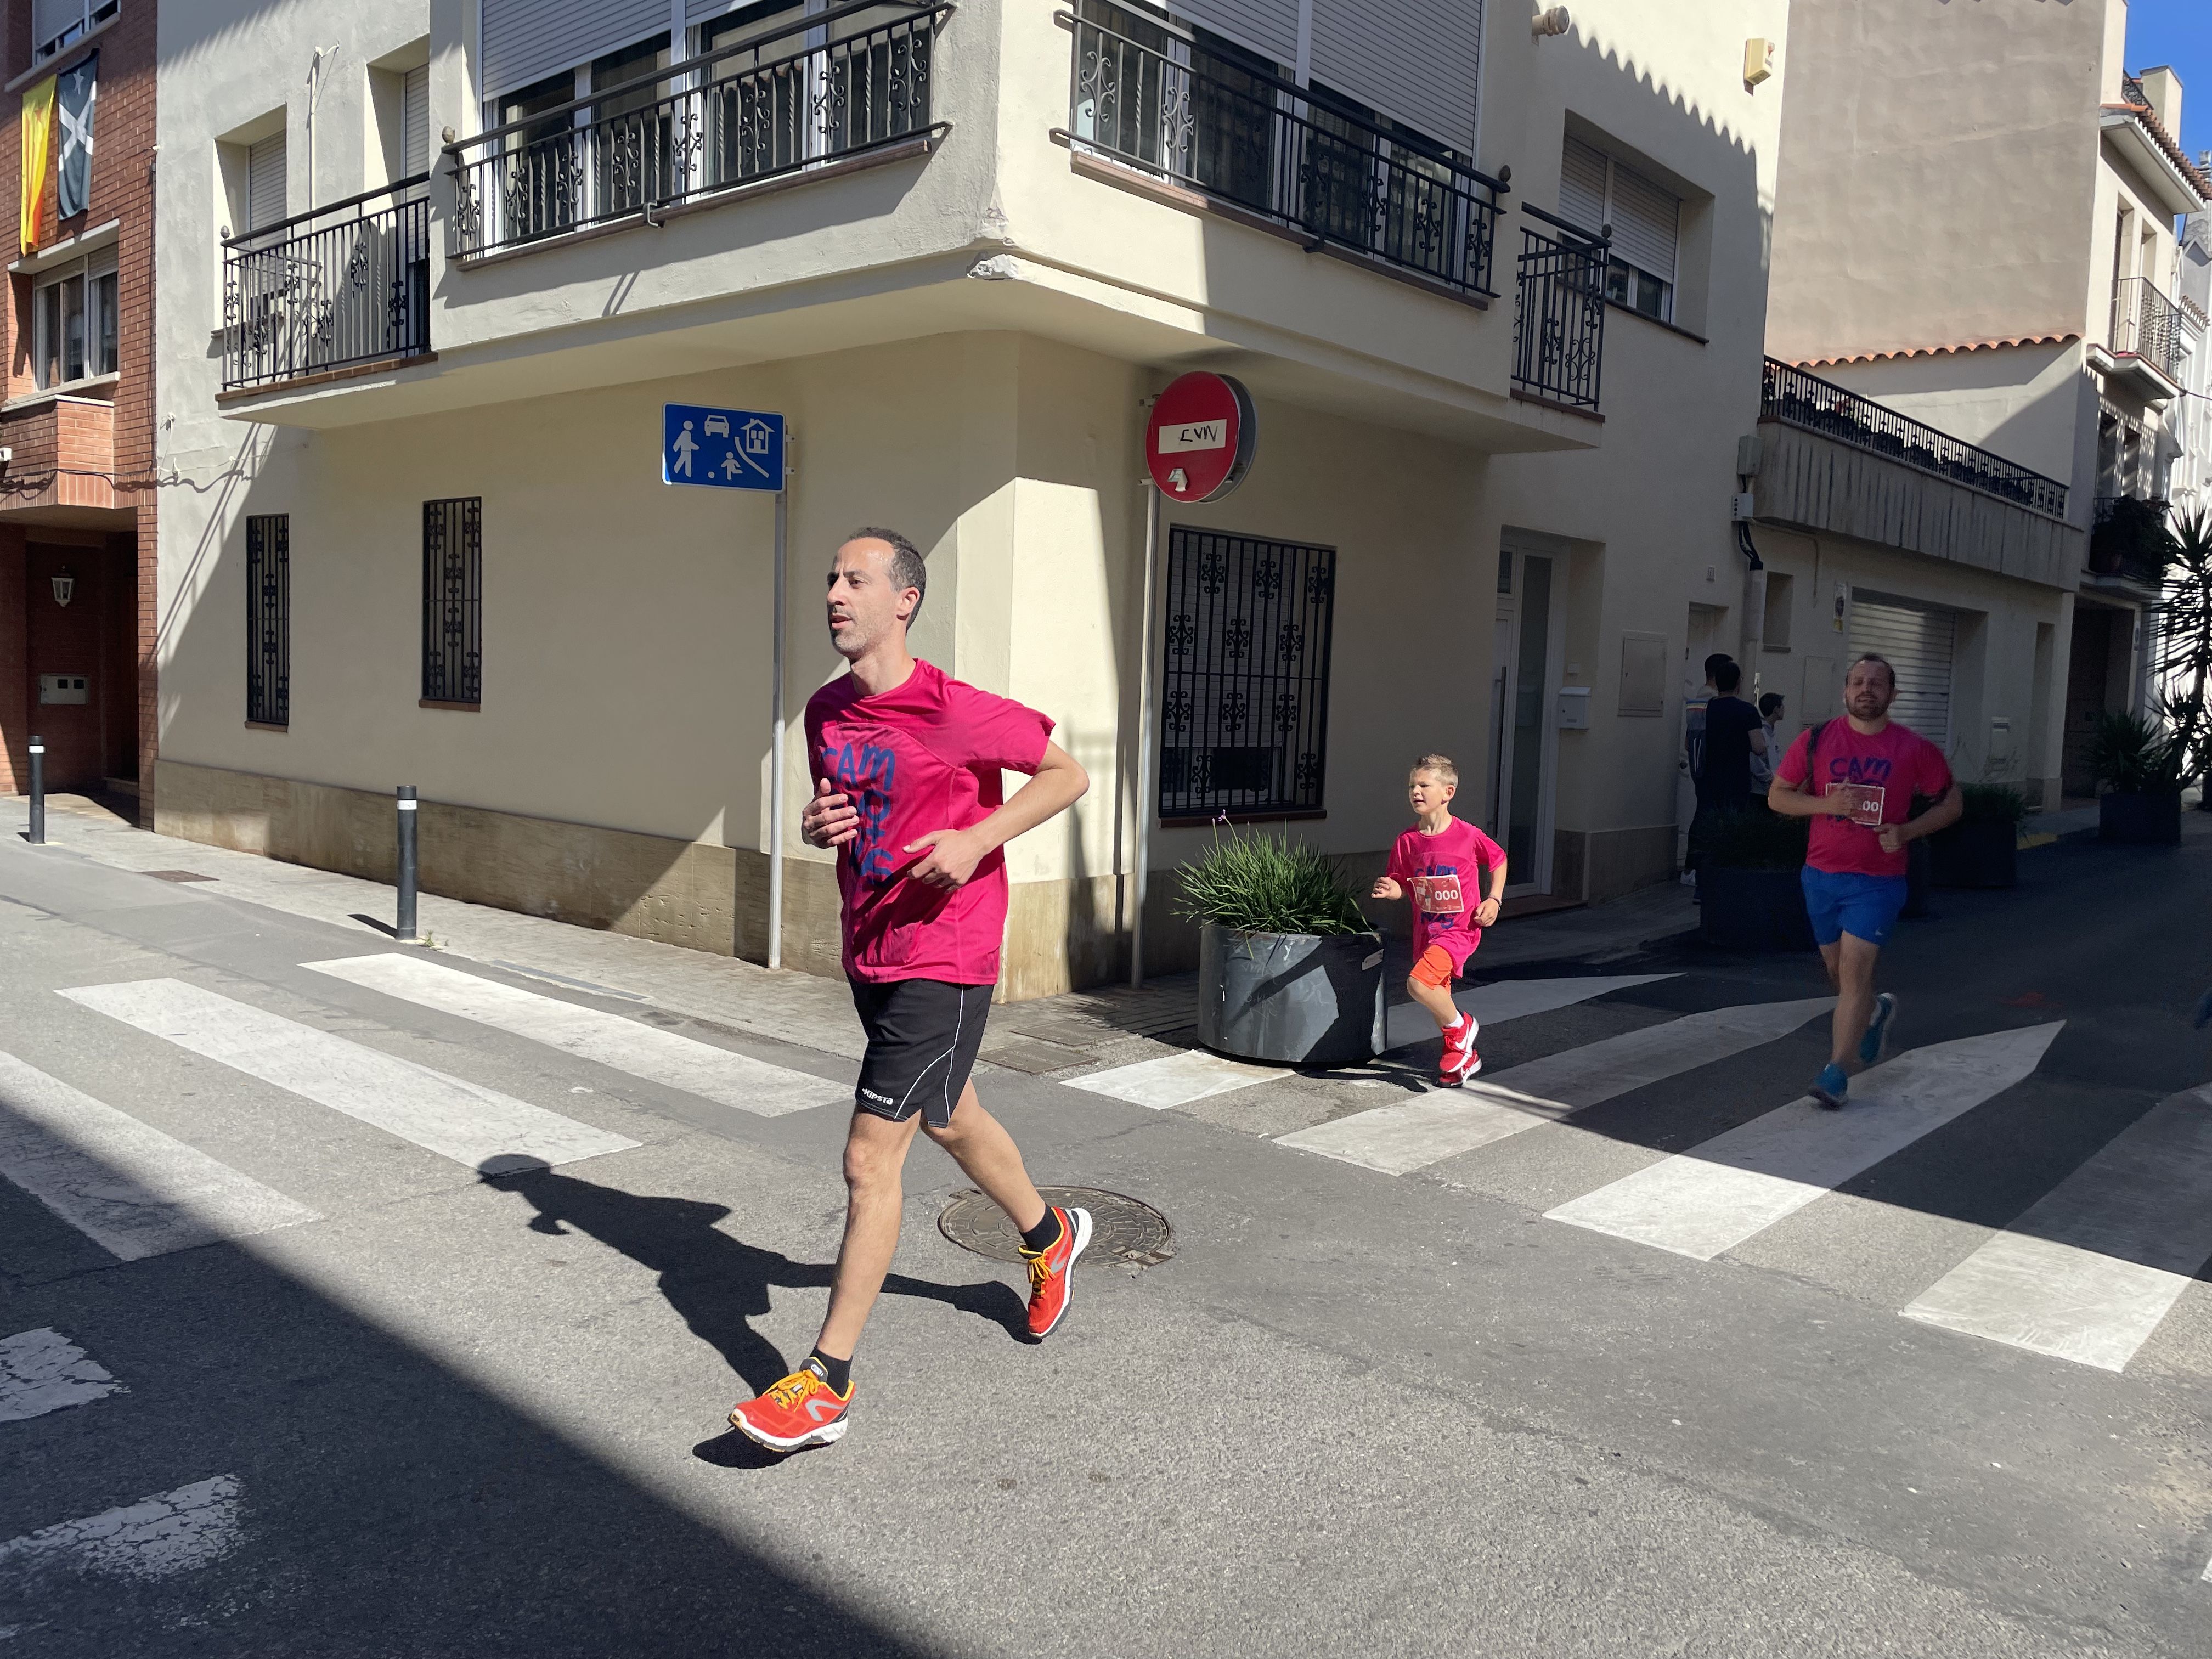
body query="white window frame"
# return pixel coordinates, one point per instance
(91, 13)
(86, 273)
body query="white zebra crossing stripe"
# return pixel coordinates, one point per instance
(2089, 1270)
(478, 1126)
(1409, 1023)
(124, 1184)
(1728, 1189)
(169, 1533)
(1178, 1080)
(1412, 1134)
(43, 1372)
(593, 1034)
(1174, 1079)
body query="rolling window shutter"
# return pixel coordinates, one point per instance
(1644, 222)
(1413, 60)
(525, 41)
(1919, 644)
(265, 182)
(752, 17)
(415, 122)
(50, 17)
(1269, 27)
(1582, 187)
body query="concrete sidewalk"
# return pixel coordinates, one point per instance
(1107, 1025)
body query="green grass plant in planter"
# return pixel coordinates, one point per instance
(2141, 764)
(1749, 898)
(1260, 883)
(1288, 968)
(1982, 848)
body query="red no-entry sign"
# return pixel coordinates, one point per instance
(1199, 441)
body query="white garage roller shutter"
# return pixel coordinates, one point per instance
(525, 41)
(1919, 643)
(1415, 60)
(1269, 27)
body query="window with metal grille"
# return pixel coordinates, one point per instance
(1244, 700)
(452, 601)
(269, 620)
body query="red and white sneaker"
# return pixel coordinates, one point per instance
(1456, 1067)
(1460, 1034)
(801, 1410)
(1049, 1289)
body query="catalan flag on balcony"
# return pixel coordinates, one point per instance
(38, 150)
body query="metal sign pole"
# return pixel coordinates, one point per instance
(775, 735)
(1146, 807)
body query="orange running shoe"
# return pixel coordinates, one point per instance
(802, 1410)
(1050, 1290)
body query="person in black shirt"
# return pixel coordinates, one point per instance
(1734, 733)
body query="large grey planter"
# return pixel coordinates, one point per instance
(1293, 999)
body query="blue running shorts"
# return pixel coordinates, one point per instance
(1865, 907)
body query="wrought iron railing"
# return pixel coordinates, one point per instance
(1791, 395)
(842, 83)
(2130, 538)
(339, 285)
(1559, 319)
(2147, 324)
(1268, 147)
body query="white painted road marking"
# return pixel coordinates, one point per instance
(1411, 1134)
(476, 1126)
(1175, 1079)
(1409, 1023)
(1730, 1188)
(43, 1372)
(124, 1184)
(2089, 1271)
(170, 1532)
(593, 1034)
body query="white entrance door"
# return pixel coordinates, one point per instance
(1524, 741)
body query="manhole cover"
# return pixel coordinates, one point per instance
(1123, 1230)
(178, 875)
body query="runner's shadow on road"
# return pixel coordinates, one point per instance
(719, 1284)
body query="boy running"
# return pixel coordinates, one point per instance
(1443, 861)
(908, 793)
(1855, 778)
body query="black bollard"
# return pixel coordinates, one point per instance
(408, 868)
(38, 837)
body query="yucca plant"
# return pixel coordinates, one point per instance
(1261, 883)
(2136, 756)
(1993, 801)
(2184, 642)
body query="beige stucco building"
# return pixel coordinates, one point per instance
(1975, 255)
(429, 541)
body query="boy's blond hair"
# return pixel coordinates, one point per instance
(1440, 764)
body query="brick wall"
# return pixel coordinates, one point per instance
(122, 188)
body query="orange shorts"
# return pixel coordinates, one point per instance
(1435, 968)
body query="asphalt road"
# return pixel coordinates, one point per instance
(1358, 1411)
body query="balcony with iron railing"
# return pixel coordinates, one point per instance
(845, 84)
(2148, 331)
(334, 290)
(2131, 539)
(1791, 395)
(1269, 153)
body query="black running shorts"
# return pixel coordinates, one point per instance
(922, 1038)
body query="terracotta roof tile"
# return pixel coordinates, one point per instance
(2148, 116)
(1935, 350)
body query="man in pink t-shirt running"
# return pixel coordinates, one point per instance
(907, 763)
(1855, 778)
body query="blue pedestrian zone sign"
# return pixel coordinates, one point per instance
(720, 448)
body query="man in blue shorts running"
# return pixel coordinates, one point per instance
(1855, 778)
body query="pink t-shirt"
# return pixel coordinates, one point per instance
(1884, 772)
(923, 756)
(1444, 877)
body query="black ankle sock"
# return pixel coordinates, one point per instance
(1045, 1234)
(837, 1373)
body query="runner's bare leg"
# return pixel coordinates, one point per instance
(1851, 963)
(1437, 999)
(875, 1154)
(987, 1156)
